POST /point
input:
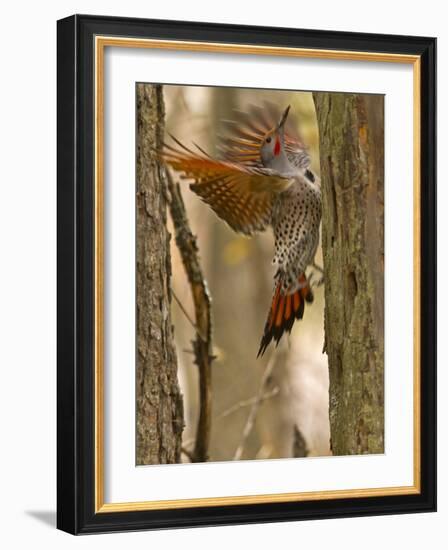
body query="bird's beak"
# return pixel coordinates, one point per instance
(284, 117)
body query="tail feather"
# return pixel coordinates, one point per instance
(284, 310)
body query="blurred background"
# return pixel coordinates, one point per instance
(292, 419)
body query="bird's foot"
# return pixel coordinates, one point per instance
(317, 267)
(315, 283)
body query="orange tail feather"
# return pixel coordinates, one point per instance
(284, 310)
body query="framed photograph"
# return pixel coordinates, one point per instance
(246, 274)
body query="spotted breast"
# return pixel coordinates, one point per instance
(296, 215)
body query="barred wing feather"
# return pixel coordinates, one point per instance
(240, 195)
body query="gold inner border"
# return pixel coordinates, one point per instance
(101, 42)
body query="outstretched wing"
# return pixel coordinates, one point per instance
(244, 136)
(241, 196)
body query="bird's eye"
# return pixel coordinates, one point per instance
(268, 139)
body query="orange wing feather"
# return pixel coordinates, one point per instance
(240, 195)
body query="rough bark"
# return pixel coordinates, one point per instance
(159, 401)
(351, 129)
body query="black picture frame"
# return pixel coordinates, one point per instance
(75, 295)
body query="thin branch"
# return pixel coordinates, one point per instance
(187, 443)
(264, 452)
(187, 315)
(202, 345)
(255, 407)
(188, 454)
(249, 402)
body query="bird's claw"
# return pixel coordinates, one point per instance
(317, 267)
(315, 282)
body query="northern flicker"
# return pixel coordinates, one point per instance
(262, 178)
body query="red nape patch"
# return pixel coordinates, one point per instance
(277, 147)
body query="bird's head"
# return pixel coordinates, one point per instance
(272, 151)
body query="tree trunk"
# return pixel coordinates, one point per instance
(159, 401)
(351, 129)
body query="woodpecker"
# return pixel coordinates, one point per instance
(262, 178)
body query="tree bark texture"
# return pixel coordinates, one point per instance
(159, 401)
(351, 129)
